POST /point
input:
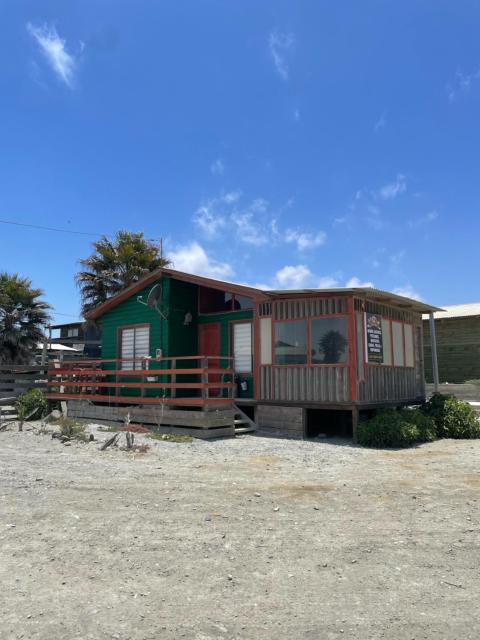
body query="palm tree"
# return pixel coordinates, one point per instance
(23, 317)
(114, 265)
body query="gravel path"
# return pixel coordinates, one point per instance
(245, 538)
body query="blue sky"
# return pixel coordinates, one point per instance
(282, 144)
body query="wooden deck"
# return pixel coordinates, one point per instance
(187, 381)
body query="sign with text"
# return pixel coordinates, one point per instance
(373, 325)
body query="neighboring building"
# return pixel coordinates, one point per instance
(304, 361)
(457, 330)
(85, 339)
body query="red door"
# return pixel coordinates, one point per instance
(209, 345)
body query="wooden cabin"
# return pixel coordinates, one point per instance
(197, 355)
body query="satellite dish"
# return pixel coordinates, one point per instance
(154, 296)
(153, 299)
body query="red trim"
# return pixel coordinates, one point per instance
(256, 352)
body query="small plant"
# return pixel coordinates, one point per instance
(453, 417)
(396, 428)
(72, 430)
(20, 416)
(33, 404)
(170, 437)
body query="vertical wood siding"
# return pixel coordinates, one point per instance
(316, 384)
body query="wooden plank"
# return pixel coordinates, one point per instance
(133, 400)
(141, 385)
(137, 372)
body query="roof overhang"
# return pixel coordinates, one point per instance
(369, 293)
(251, 292)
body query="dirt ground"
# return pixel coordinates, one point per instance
(251, 538)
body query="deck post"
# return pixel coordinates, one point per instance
(173, 378)
(433, 344)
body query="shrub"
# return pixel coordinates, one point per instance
(425, 424)
(453, 417)
(33, 400)
(72, 430)
(392, 428)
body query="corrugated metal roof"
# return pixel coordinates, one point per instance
(458, 311)
(373, 294)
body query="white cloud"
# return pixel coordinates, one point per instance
(461, 84)
(193, 258)
(252, 227)
(296, 115)
(327, 282)
(53, 48)
(393, 189)
(356, 282)
(280, 45)
(429, 217)
(381, 123)
(408, 292)
(293, 277)
(232, 196)
(208, 221)
(217, 167)
(305, 240)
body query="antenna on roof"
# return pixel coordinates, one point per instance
(154, 295)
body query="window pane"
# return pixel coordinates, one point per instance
(214, 301)
(265, 341)
(329, 340)
(291, 342)
(127, 348)
(387, 342)
(397, 333)
(242, 302)
(409, 355)
(242, 347)
(360, 352)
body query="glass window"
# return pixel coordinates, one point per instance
(291, 342)
(242, 302)
(397, 334)
(265, 341)
(73, 332)
(329, 340)
(214, 301)
(360, 347)
(409, 347)
(242, 347)
(387, 342)
(135, 343)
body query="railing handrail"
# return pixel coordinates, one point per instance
(94, 361)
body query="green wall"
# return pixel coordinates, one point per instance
(224, 319)
(170, 334)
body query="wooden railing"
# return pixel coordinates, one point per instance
(184, 380)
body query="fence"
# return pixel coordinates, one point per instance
(17, 379)
(190, 381)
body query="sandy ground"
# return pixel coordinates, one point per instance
(250, 537)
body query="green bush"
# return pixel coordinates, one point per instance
(396, 428)
(32, 400)
(453, 417)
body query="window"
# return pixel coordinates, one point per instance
(398, 354)
(291, 342)
(409, 347)
(329, 340)
(215, 301)
(387, 342)
(242, 302)
(242, 347)
(134, 343)
(265, 341)
(360, 347)
(72, 332)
